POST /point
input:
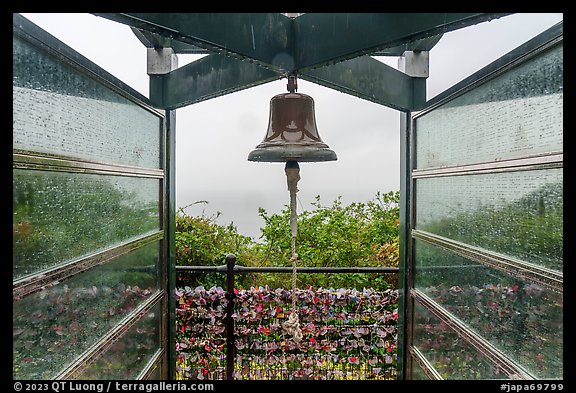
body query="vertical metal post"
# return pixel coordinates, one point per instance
(404, 265)
(229, 321)
(169, 243)
(159, 62)
(415, 64)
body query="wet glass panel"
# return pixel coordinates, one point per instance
(127, 357)
(53, 327)
(523, 319)
(60, 216)
(451, 356)
(418, 373)
(156, 374)
(516, 114)
(59, 110)
(519, 214)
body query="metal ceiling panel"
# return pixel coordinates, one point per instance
(327, 38)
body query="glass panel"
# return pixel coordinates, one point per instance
(59, 110)
(156, 374)
(417, 372)
(128, 356)
(60, 216)
(516, 114)
(450, 355)
(522, 319)
(52, 327)
(519, 214)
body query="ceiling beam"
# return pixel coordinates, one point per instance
(206, 78)
(327, 38)
(263, 38)
(153, 40)
(283, 44)
(328, 49)
(369, 79)
(423, 44)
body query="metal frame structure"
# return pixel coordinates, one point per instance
(549, 279)
(333, 50)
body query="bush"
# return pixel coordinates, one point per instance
(200, 241)
(357, 235)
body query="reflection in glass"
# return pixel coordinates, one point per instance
(449, 354)
(416, 372)
(522, 319)
(59, 110)
(60, 216)
(156, 374)
(519, 214)
(515, 114)
(52, 327)
(128, 356)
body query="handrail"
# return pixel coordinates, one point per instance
(279, 269)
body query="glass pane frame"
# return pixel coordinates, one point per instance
(76, 113)
(62, 216)
(542, 160)
(514, 213)
(56, 325)
(521, 318)
(527, 98)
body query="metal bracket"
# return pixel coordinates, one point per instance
(161, 61)
(292, 85)
(415, 63)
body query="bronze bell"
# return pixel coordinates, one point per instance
(292, 133)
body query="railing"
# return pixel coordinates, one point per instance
(383, 317)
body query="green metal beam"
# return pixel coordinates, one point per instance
(209, 77)
(323, 39)
(265, 38)
(367, 78)
(275, 41)
(424, 44)
(326, 49)
(153, 40)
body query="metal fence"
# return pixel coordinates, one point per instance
(243, 344)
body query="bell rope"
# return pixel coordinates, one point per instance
(292, 325)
